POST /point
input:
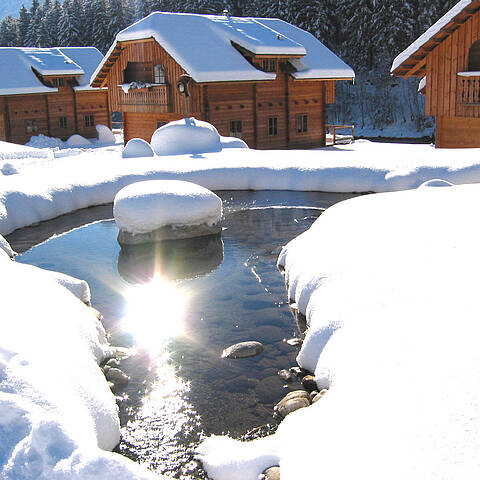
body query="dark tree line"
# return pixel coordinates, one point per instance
(367, 34)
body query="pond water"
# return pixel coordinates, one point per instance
(177, 306)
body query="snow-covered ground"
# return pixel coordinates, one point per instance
(388, 285)
(48, 187)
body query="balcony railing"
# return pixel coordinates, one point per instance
(469, 88)
(154, 96)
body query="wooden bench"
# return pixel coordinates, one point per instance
(332, 131)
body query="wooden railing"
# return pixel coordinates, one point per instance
(468, 90)
(156, 95)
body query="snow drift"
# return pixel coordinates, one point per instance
(388, 285)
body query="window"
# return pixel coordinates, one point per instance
(302, 123)
(159, 74)
(90, 120)
(273, 126)
(269, 65)
(32, 126)
(138, 72)
(62, 122)
(474, 57)
(236, 128)
(58, 82)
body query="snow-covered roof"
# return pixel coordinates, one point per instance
(451, 17)
(202, 46)
(19, 77)
(89, 58)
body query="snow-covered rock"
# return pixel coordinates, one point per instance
(393, 333)
(186, 136)
(167, 209)
(105, 135)
(137, 148)
(78, 141)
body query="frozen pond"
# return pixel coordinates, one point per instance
(206, 295)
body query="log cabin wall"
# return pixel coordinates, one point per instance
(443, 92)
(90, 104)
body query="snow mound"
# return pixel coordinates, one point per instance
(137, 148)
(186, 136)
(78, 141)
(42, 141)
(8, 169)
(232, 142)
(384, 309)
(436, 182)
(5, 246)
(105, 135)
(147, 206)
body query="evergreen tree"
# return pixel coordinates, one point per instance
(9, 32)
(32, 33)
(23, 26)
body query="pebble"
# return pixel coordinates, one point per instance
(294, 342)
(291, 402)
(286, 375)
(272, 473)
(313, 394)
(308, 383)
(243, 350)
(113, 363)
(299, 372)
(319, 395)
(116, 376)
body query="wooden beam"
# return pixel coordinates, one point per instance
(414, 70)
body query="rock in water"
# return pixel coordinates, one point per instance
(243, 350)
(291, 402)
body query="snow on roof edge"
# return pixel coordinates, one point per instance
(433, 30)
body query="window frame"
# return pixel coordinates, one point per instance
(63, 122)
(272, 126)
(89, 120)
(269, 65)
(236, 128)
(160, 73)
(302, 123)
(31, 125)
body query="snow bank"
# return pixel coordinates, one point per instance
(146, 206)
(137, 148)
(188, 135)
(388, 286)
(93, 177)
(5, 246)
(105, 135)
(232, 142)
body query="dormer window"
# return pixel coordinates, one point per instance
(159, 74)
(58, 82)
(269, 65)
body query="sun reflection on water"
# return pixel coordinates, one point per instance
(154, 313)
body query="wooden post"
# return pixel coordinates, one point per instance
(8, 126)
(206, 105)
(75, 112)
(48, 116)
(287, 108)
(255, 114)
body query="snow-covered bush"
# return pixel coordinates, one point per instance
(105, 135)
(137, 148)
(186, 136)
(78, 141)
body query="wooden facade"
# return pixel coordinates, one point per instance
(280, 113)
(54, 114)
(450, 61)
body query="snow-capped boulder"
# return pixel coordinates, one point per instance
(78, 141)
(157, 210)
(436, 182)
(137, 148)
(105, 135)
(188, 135)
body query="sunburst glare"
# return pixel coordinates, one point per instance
(154, 313)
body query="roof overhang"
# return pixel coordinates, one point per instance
(412, 61)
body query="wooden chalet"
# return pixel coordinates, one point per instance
(262, 80)
(47, 91)
(447, 60)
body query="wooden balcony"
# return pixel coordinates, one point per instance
(155, 98)
(468, 88)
